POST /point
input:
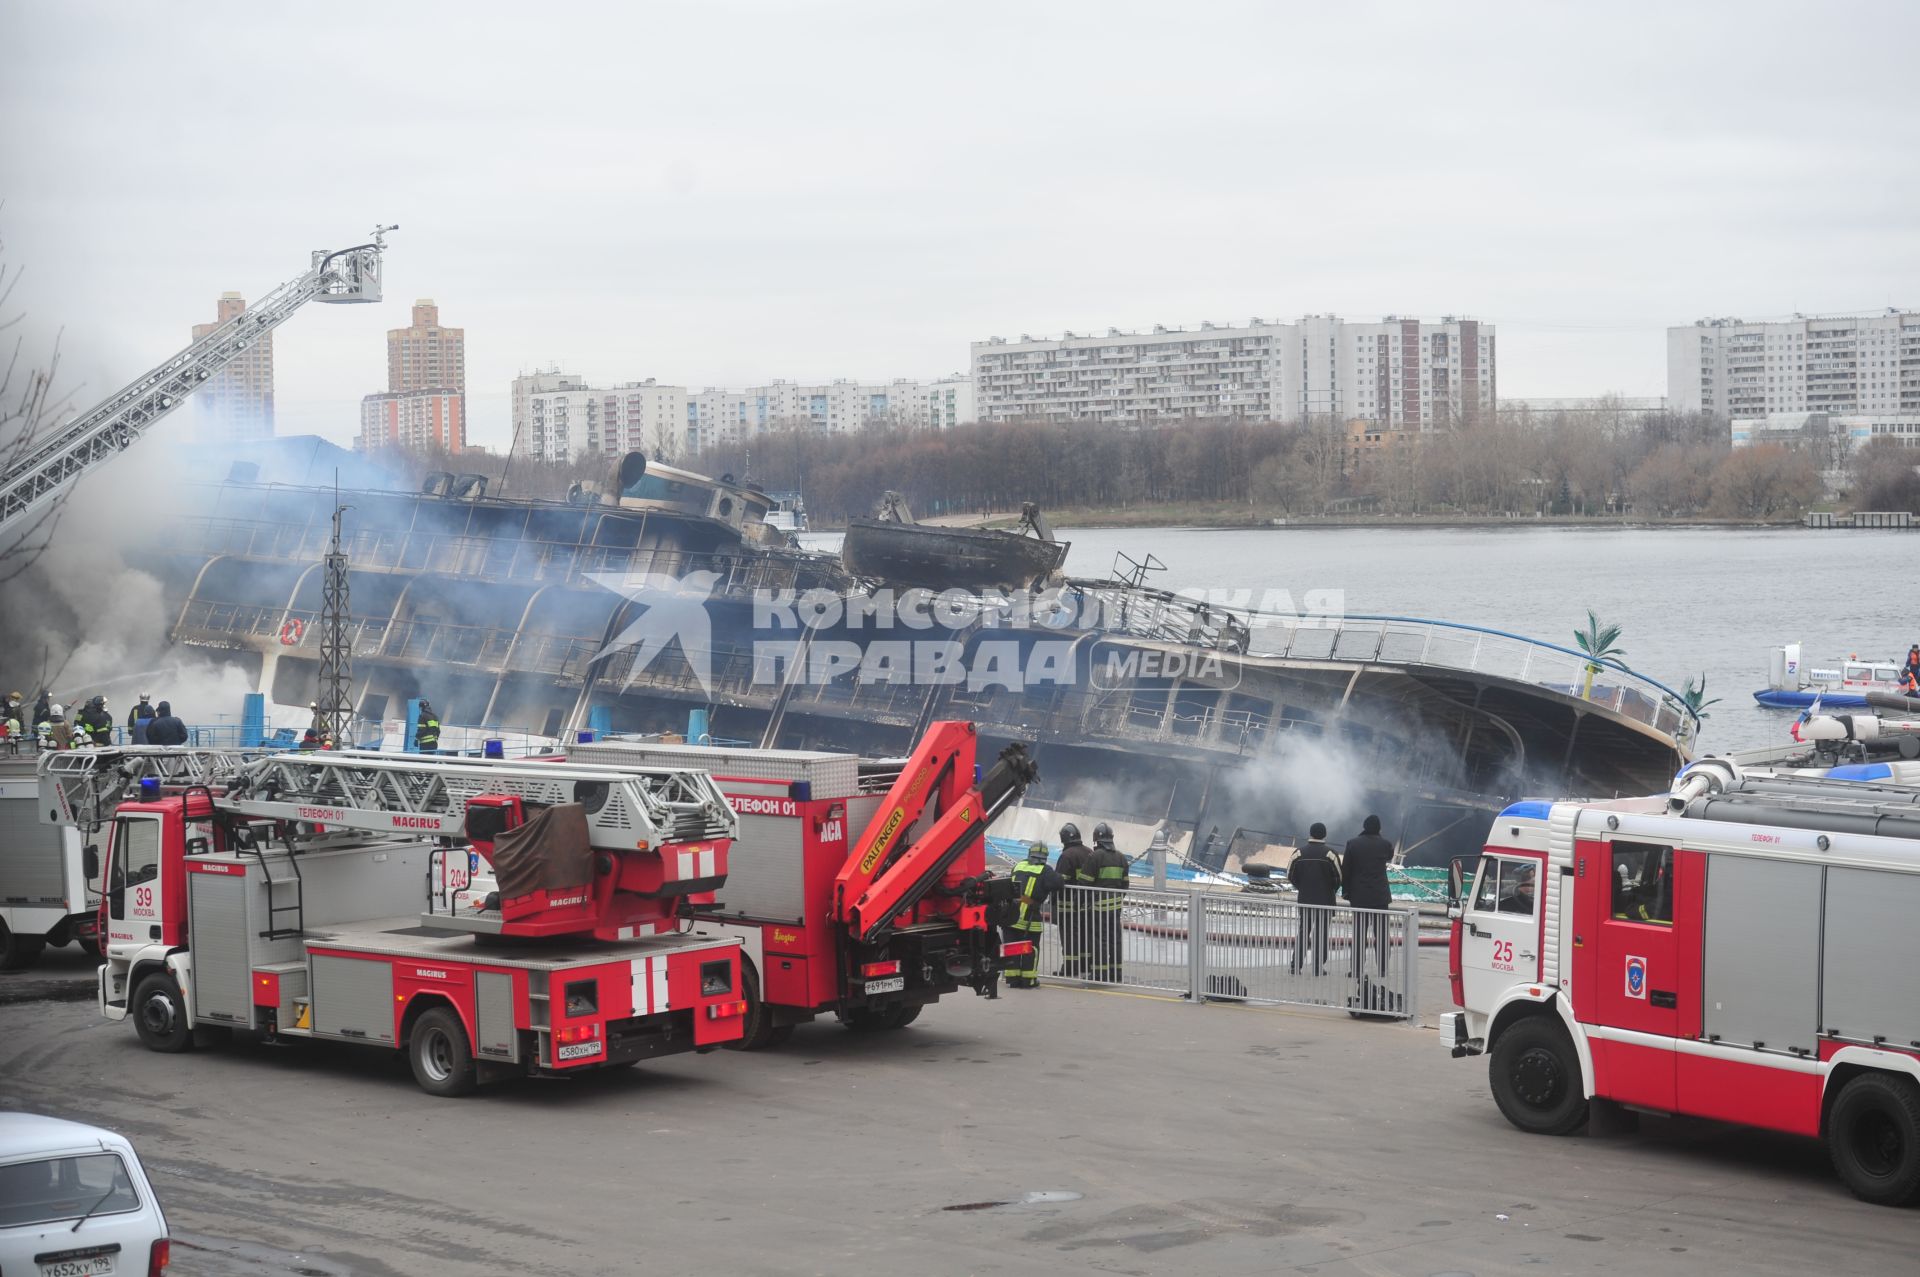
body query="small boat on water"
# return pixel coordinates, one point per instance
(892, 547)
(1837, 684)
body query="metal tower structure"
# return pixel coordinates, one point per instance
(336, 647)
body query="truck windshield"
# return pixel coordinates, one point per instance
(61, 1188)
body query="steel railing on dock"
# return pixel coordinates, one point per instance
(1244, 947)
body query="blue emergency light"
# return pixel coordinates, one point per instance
(495, 749)
(149, 788)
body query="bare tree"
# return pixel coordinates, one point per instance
(29, 408)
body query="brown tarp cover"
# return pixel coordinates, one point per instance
(553, 850)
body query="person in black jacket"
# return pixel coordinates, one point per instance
(1070, 906)
(94, 720)
(1315, 875)
(164, 729)
(1365, 872)
(137, 719)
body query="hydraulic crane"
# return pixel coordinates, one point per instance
(344, 275)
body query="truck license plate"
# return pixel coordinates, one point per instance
(892, 984)
(579, 1050)
(95, 1266)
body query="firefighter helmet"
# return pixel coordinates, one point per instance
(1037, 851)
(1069, 834)
(1103, 834)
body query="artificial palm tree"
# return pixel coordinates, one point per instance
(1696, 698)
(1598, 642)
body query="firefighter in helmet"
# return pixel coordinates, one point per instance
(1037, 883)
(426, 735)
(1106, 872)
(1069, 912)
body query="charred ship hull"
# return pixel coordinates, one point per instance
(500, 611)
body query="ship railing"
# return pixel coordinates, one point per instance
(526, 559)
(1390, 640)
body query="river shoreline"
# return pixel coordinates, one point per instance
(1240, 518)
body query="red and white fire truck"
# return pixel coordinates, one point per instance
(299, 900)
(857, 888)
(1742, 949)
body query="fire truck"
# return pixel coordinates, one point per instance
(49, 872)
(299, 899)
(858, 888)
(1742, 949)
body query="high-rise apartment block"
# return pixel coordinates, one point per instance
(1840, 364)
(1405, 374)
(237, 402)
(415, 420)
(557, 415)
(426, 397)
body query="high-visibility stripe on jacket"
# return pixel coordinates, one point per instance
(1030, 875)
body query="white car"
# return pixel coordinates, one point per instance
(75, 1202)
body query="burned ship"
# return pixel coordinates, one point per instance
(519, 615)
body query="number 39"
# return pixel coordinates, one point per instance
(143, 897)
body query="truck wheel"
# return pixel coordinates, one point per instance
(1873, 1137)
(160, 1014)
(18, 952)
(1536, 1078)
(756, 1028)
(441, 1058)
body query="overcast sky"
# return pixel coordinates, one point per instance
(721, 193)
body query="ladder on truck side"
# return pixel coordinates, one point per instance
(627, 808)
(83, 786)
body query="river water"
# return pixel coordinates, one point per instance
(1690, 601)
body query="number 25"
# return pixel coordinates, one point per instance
(1503, 951)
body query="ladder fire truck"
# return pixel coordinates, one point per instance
(857, 889)
(1742, 949)
(49, 868)
(298, 899)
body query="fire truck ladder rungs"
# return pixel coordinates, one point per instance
(367, 791)
(83, 786)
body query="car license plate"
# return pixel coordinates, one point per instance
(892, 984)
(579, 1050)
(93, 1266)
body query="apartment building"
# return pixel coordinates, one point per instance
(1402, 373)
(416, 420)
(1835, 364)
(557, 415)
(236, 403)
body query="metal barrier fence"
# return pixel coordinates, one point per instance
(1250, 948)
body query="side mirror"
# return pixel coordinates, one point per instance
(90, 861)
(1457, 873)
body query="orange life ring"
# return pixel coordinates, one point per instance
(291, 632)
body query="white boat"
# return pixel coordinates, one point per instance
(1837, 684)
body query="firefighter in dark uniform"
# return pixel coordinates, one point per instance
(426, 733)
(1315, 875)
(1106, 872)
(1037, 883)
(1069, 906)
(95, 721)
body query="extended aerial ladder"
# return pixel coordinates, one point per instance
(111, 426)
(83, 786)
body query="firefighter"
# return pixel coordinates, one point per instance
(1037, 883)
(42, 710)
(1520, 899)
(1315, 875)
(53, 730)
(1106, 872)
(426, 733)
(137, 719)
(94, 720)
(1069, 910)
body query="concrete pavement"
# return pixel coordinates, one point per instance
(1171, 1138)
